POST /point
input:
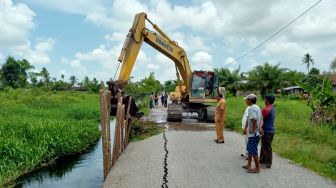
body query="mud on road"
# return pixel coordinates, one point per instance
(189, 123)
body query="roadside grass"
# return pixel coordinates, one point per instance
(312, 146)
(36, 127)
(144, 129)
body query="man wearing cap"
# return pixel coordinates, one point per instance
(253, 122)
(268, 114)
(220, 118)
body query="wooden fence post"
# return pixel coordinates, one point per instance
(127, 123)
(107, 122)
(121, 132)
(103, 128)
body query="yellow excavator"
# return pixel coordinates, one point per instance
(194, 90)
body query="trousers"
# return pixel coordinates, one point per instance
(219, 130)
(266, 149)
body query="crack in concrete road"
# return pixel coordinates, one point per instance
(165, 162)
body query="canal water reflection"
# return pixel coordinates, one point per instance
(83, 170)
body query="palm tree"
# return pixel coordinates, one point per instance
(86, 81)
(266, 78)
(333, 65)
(308, 60)
(46, 76)
(73, 80)
(229, 78)
(62, 76)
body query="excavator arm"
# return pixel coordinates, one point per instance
(160, 41)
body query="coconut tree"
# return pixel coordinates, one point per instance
(73, 80)
(266, 78)
(308, 60)
(229, 78)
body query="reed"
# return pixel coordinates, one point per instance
(36, 127)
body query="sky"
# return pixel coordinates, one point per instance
(84, 38)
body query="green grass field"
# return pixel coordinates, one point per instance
(312, 146)
(36, 127)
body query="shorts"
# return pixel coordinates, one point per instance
(252, 145)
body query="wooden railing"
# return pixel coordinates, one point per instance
(122, 129)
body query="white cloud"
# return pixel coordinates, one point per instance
(162, 59)
(167, 74)
(202, 57)
(38, 54)
(229, 60)
(201, 60)
(283, 47)
(74, 6)
(253, 65)
(100, 54)
(120, 18)
(318, 24)
(190, 43)
(142, 57)
(153, 66)
(104, 58)
(15, 23)
(116, 37)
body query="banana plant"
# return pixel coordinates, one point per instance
(321, 100)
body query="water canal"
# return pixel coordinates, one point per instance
(82, 170)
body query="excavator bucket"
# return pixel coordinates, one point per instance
(128, 101)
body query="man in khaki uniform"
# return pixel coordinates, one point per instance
(220, 118)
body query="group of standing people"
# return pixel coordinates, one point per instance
(154, 100)
(256, 123)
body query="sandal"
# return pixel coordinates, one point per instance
(253, 171)
(246, 167)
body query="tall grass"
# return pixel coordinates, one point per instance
(36, 127)
(313, 146)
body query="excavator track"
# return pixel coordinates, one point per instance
(174, 112)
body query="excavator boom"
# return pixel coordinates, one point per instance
(161, 42)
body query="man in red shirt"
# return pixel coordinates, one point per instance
(268, 114)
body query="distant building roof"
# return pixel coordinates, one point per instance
(291, 87)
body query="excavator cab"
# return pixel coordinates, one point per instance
(204, 84)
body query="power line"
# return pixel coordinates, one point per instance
(272, 36)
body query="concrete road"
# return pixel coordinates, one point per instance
(194, 160)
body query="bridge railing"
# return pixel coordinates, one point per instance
(121, 133)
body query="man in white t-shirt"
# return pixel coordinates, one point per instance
(254, 119)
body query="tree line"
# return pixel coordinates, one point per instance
(21, 74)
(268, 78)
(264, 78)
